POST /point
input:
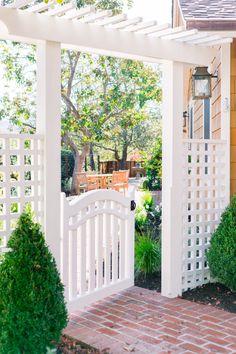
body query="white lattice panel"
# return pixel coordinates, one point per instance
(21, 179)
(204, 200)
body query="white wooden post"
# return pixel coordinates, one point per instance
(172, 179)
(49, 124)
(130, 240)
(225, 111)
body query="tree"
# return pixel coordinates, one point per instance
(154, 167)
(103, 99)
(32, 307)
(17, 103)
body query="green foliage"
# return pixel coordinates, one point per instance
(147, 255)
(148, 217)
(111, 102)
(147, 201)
(67, 163)
(140, 218)
(222, 253)
(115, 5)
(154, 168)
(32, 307)
(18, 69)
(66, 185)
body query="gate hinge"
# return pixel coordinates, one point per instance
(132, 205)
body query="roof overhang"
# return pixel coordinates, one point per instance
(211, 25)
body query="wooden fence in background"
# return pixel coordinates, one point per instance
(110, 166)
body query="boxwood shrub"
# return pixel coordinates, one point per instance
(32, 307)
(222, 253)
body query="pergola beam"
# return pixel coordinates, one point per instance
(141, 26)
(59, 10)
(40, 7)
(112, 20)
(167, 32)
(75, 14)
(18, 4)
(21, 24)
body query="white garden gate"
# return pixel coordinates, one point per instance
(97, 246)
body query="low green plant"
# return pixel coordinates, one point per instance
(67, 168)
(140, 218)
(154, 168)
(147, 255)
(66, 185)
(148, 217)
(147, 201)
(32, 306)
(222, 253)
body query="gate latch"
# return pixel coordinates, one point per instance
(132, 205)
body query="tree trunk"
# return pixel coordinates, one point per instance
(98, 159)
(91, 156)
(124, 157)
(79, 163)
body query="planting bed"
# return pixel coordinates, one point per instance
(213, 294)
(69, 345)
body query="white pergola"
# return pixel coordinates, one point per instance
(52, 27)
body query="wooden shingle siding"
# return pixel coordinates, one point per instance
(198, 119)
(233, 120)
(216, 98)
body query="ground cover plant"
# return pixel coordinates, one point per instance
(147, 255)
(32, 306)
(147, 242)
(148, 217)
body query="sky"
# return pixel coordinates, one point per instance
(159, 10)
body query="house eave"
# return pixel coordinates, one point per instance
(211, 25)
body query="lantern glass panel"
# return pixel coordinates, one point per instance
(202, 87)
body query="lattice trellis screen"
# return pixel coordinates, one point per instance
(204, 200)
(21, 179)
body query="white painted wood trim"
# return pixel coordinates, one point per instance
(225, 110)
(172, 179)
(49, 124)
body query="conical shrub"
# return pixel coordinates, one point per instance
(222, 253)
(32, 306)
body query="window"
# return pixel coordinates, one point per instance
(207, 118)
(191, 123)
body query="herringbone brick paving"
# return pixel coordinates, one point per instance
(142, 321)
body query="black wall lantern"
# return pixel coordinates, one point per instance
(201, 83)
(185, 117)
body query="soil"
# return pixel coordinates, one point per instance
(213, 294)
(70, 345)
(151, 282)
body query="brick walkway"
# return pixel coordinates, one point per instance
(143, 321)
